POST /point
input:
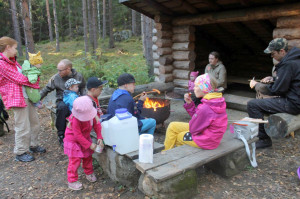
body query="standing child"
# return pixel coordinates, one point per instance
(72, 86)
(78, 144)
(209, 120)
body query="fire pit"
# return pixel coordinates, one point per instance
(156, 108)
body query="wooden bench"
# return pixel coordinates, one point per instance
(173, 173)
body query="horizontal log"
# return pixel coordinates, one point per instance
(294, 43)
(183, 29)
(154, 85)
(165, 60)
(181, 74)
(165, 77)
(154, 39)
(190, 65)
(165, 69)
(164, 51)
(282, 124)
(184, 55)
(162, 43)
(156, 71)
(258, 13)
(182, 83)
(155, 56)
(288, 33)
(178, 38)
(184, 46)
(163, 26)
(162, 19)
(154, 47)
(156, 64)
(288, 22)
(164, 34)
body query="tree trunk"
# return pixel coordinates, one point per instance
(89, 6)
(104, 19)
(99, 18)
(30, 14)
(25, 37)
(56, 26)
(139, 24)
(111, 24)
(49, 20)
(94, 21)
(69, 18)
(27, 26)
(16, 26)
(86, 47)
(147, 26)
(133, 22)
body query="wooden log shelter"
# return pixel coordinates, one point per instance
(186, 31)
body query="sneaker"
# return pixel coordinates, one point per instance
(263, 143)
(91, 178)
(25, 157)
(37, 149)
(75, 185)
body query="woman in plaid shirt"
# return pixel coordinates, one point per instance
(12, 90)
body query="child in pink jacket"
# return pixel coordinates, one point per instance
(78, 144)
(209, 120)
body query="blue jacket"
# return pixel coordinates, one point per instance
(69, 97)
(122, 99)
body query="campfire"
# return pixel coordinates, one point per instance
(149, 103)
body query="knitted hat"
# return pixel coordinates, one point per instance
(94, 82)
(71, 82)
(83, 109)
(35, 59)
(125, 78)
(194, 73)
(203, 81)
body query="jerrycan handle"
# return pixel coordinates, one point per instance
(122, 113)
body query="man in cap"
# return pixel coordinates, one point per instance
(286, 85)
(122, 98)
(57, 83)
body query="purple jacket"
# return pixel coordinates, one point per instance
(208, 123)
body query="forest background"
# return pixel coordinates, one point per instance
(102, 38)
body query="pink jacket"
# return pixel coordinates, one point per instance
(78, 140)
(11, 82)
(191, 85)
(208, 123)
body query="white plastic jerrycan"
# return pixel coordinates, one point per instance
(105, 133)
(123, 132)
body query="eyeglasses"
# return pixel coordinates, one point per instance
(61, 70)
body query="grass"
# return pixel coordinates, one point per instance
(127, 56)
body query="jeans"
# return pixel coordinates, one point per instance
(148, 126)
(62, 112)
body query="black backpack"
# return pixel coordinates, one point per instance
(3, 114)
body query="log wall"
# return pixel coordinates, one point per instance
(289, 28)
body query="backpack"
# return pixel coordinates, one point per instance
(3, 114)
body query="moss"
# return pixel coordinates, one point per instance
(185, 185)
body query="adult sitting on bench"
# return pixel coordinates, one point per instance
(57, 82)
(286, 85)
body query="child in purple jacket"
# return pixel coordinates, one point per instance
(209, 120)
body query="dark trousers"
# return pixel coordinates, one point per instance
(62, 112)
(258, 107)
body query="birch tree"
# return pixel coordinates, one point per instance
(99, 18)
(89, 7)
(111, 36)
(104, 19)
(84, 18)
(69, 17)
(49, 21)
(56, 26)
(94, 21)
(16, 26)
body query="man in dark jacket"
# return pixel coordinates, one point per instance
(121, 98)
(286, 85)
(57, 83)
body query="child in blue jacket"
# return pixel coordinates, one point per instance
(72, 86)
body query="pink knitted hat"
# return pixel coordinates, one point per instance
(83, 109)
(203, 81)
(194, 73)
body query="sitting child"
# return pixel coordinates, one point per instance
(78, 144)
(209, 120)
(31, 69)
(72, 86)
(95, 86)
(122, 98)
(193, 76)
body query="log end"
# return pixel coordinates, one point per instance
(277, 127)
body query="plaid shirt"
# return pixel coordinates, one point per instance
(11, 82)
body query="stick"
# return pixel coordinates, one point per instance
(153, 91)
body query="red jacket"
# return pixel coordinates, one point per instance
(11, 82)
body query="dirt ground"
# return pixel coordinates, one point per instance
(46, 177)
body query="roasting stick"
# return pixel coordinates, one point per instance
(153, 91)
(248, 119)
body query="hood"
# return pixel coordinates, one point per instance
(118, 93)
(68, 92)
(12, 60)
(293, 54)
(218, 105)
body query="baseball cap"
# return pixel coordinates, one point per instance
(71, 82)
(276, 45)
(125, 78)
(95, 82)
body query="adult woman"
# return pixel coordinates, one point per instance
(12, 90)
(217, 69)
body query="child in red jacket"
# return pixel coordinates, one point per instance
(78, 144)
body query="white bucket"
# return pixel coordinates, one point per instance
(146, 148)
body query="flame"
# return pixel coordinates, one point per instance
(153, 104)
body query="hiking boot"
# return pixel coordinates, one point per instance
(25, 157)
(91, 178)
(37, 149)
(263, 143)
(61, 140)
(75, 185)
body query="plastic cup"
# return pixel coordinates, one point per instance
(99, 149)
